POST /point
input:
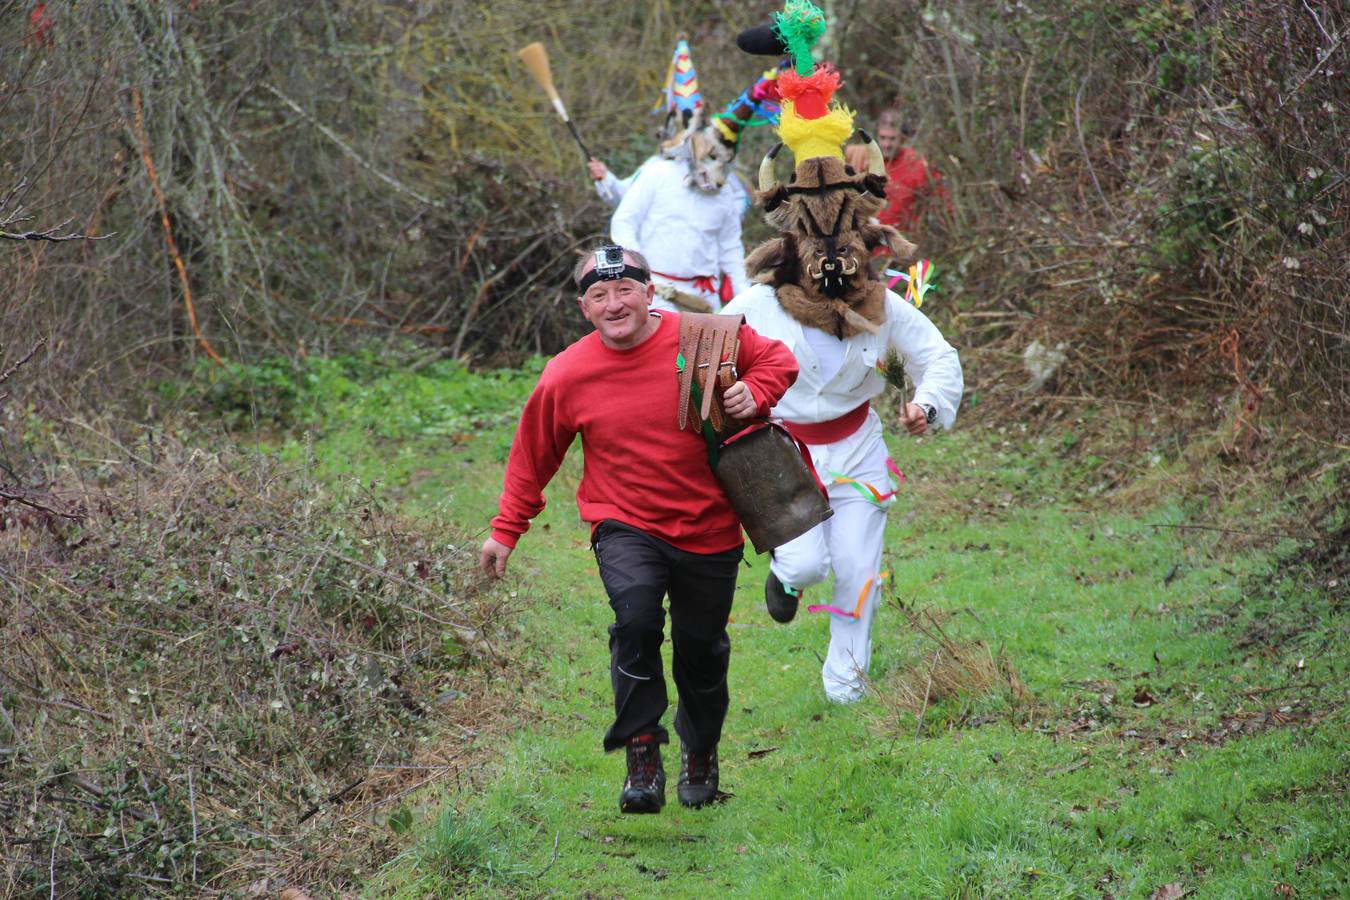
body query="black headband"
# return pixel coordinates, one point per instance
(629, 271)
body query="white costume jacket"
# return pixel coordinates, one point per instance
(611, 188)
(931, 362)
(836, 376)
(683, 232)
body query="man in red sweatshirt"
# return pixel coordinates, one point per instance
(914, 189)
(660, 523)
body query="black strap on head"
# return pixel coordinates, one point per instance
(629, 271)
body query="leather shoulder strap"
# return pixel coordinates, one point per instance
(706, 367)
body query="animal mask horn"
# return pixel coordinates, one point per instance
(876, 163)
(766, 179)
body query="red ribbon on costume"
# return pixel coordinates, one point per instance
(725, 292)
(705, 283)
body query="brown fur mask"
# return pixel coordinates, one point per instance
(819, 266)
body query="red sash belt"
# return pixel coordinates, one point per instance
(721, 285)
(831, 431)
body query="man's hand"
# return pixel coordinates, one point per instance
(492, 558)
(855, 155)
(596, 169)
(914, 420)
(739, 402)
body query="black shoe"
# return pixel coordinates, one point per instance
(781, 601)
(644, 791)
(698, 777)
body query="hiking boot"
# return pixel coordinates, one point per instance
(644, 791)
(698, 777)
(780, 599)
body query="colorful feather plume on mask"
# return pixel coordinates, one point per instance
(811, 124)
(800, 26)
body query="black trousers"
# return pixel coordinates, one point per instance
(638, 571)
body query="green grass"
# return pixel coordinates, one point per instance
(1228, 778)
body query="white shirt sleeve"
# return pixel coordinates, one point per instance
(731, 250)
(611, 189)
(931, 363)
(624, 227)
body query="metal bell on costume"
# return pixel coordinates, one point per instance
(770, 487)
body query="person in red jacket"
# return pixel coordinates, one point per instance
(660, 523)
(913, 188)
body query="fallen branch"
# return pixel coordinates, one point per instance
(23, 498)
(64, 705)
(918, 728)
(332, 798)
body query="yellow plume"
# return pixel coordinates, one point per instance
(808, 138)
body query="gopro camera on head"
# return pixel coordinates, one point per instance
(610, 265)
(609, 262)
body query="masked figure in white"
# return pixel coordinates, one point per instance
(816, 292)
(683, 208)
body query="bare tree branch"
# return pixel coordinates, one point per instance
(23, 183)
(346, 148)
(24, 498)
(4, 376)
(51, 235)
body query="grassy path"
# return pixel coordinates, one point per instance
(1180, 732)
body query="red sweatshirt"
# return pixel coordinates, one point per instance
(637, 468)
(909, 181)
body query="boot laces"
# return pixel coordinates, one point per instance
(643, 764)
(700, 766)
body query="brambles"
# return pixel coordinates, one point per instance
(221, 672)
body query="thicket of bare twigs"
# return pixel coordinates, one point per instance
(219, 677)
(1159, 187)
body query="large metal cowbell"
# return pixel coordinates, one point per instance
(763, 473)
(770, 487)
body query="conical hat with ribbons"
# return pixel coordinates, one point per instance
(681, 94)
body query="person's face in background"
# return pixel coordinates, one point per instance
(890, 142)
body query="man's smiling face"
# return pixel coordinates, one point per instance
(619, 310)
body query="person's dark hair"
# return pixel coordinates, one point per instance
(585, 256)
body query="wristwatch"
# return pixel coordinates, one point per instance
(929, 412)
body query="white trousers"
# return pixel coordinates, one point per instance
(849, 545)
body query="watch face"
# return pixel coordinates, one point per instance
(929, 412)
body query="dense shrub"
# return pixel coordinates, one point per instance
(1159, 186)
(221, 674)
